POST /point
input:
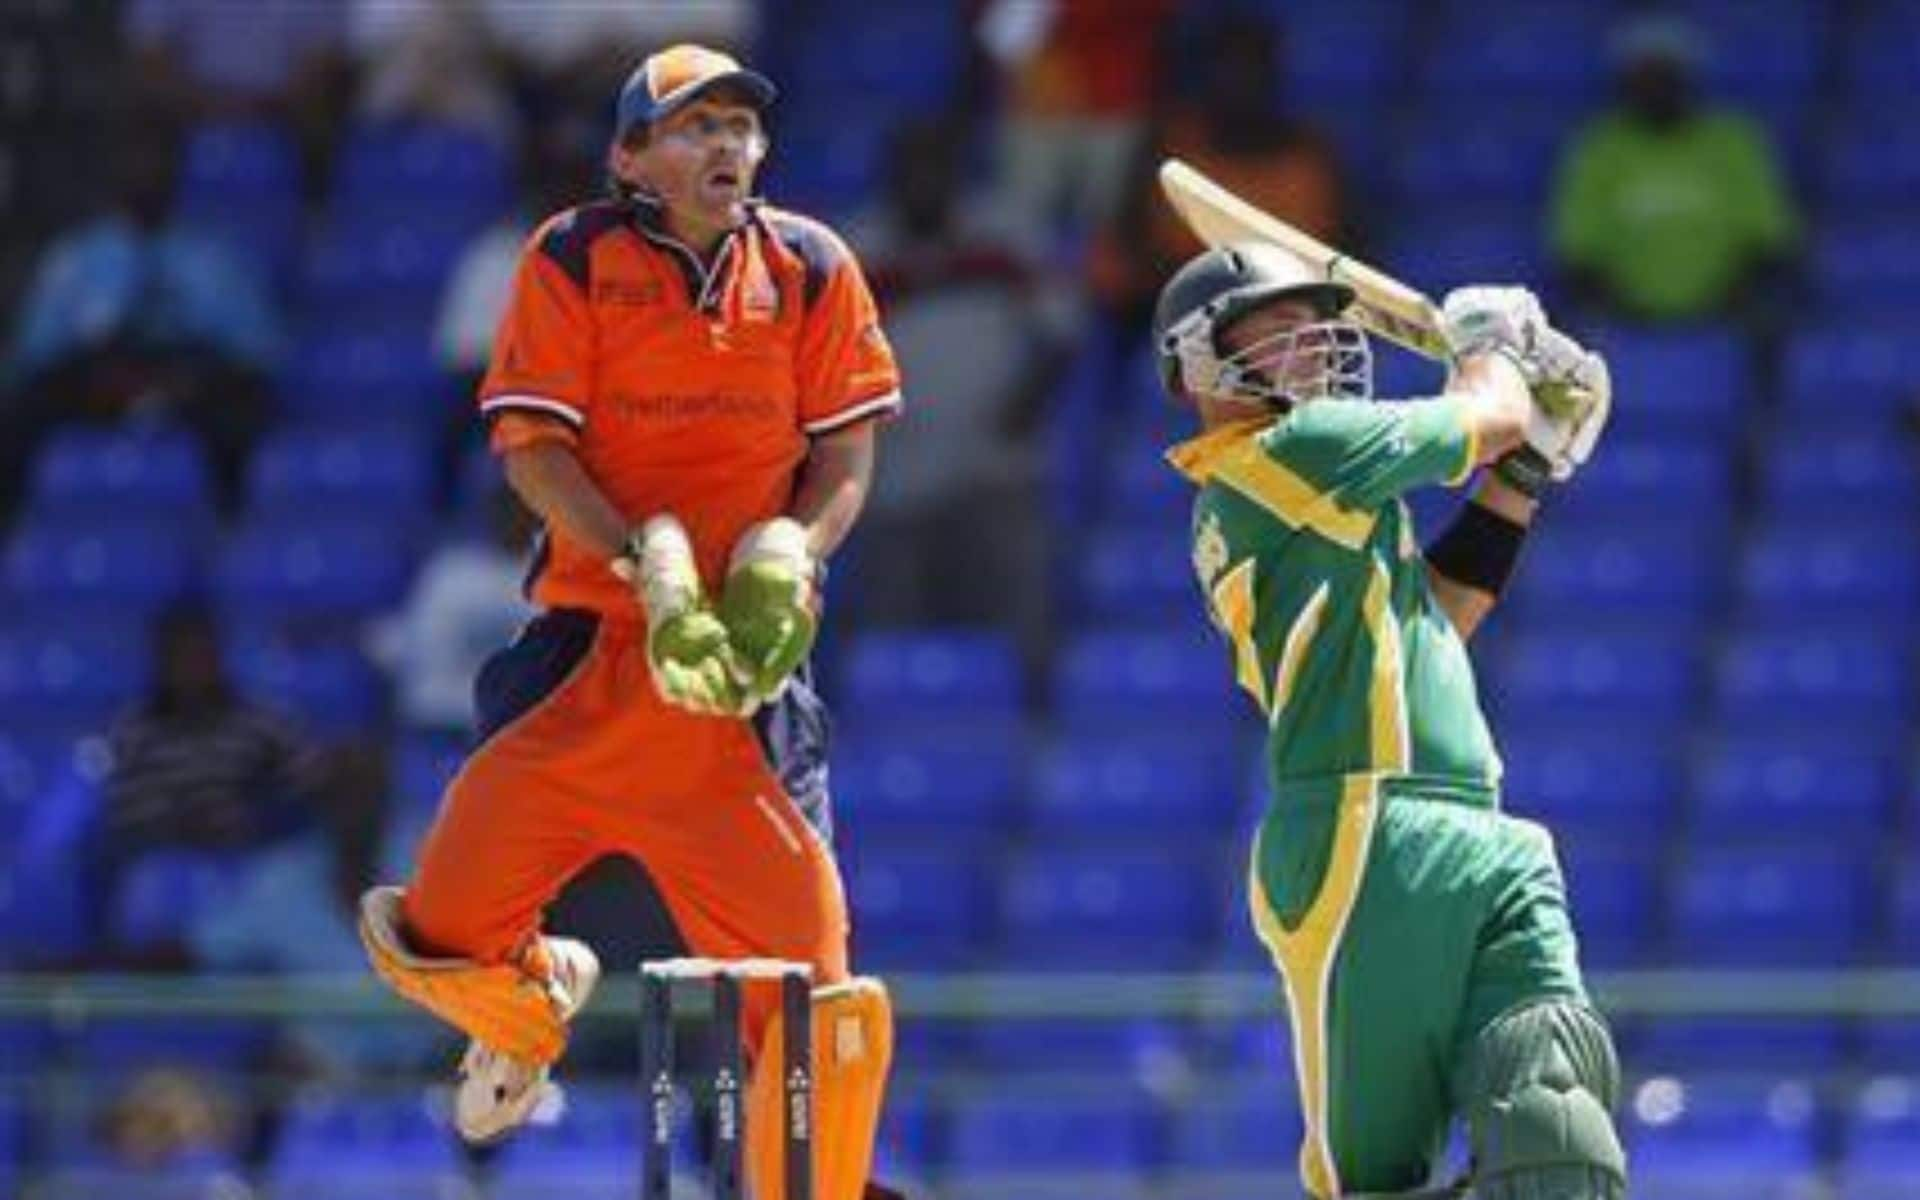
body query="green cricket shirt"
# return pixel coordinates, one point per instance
(1307, 557)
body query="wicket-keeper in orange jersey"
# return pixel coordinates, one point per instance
(684, 389)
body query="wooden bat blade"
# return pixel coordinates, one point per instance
(1382, 304)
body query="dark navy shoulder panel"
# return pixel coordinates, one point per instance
(816, 246)
(568, 238)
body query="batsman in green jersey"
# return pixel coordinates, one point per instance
(1422, 935)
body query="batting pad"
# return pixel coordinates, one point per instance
(502, 1006)
(852, 1052)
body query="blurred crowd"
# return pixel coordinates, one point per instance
(1004, 207)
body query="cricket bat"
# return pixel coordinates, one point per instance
(1382, 304)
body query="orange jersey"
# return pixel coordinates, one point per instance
(683, 388)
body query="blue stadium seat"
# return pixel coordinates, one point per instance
(1089, 909)
(1698, 1138)
(1863, 268)
(374, 273)
(1633, 679)
(1674, 485)
(1138, 573)
(1502, 57)
(1890, 1044)
(1862, 682)
(904, 58)
(1448, 253)
(828, 160)
(68, 676)
(1612, 894)
(1121, 1049)
(1882, 1130)
(918, 907)
(1863, 477)
(1373, 44)
(891, 677)
(1808, 570)
(1668, 383)
(1705, 1046)
(313, 569)
(330, 687)
(423, 765)
(1761, 50)
(1088, 786)
(115, 1047)
(1585, 785)
(1871, 166)
(1762, 907)
(126, 567)
(163, 892)
(953, 791)
(162, 474)
(1035, 1130)
(402, 170)
(340, 472)
(1249, 1127)
(356, 377)
(241, 181)
(1792, 788)
(1113, 679)
(1906, 912)
(393, 1182)
(1642, 577)
(596, 1130)
(1883, 55)
(346, 1132)
(194, 1177)
(1503, 159)
(1851, 376)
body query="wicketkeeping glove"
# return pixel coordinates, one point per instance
(689, 655)
(770, 604)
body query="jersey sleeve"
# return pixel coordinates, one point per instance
(540, 373)
(847, 370)
(1362, 454)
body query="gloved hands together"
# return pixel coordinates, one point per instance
(690, 655)
(770, 606)
(1571, 389)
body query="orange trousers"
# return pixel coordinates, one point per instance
(580, 758)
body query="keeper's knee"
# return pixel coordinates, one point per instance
(1540, 1085)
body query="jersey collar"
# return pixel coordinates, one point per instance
(1197, 458)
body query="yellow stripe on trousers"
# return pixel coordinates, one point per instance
(1307, 954)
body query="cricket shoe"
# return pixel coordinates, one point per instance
(498, 1093)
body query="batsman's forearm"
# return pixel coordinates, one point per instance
(1494, 397)
(548, 478)
(833, 486)
(1470, 564)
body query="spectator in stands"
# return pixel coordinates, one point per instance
(1232, 129)
(1081, 80)
(195, 765)
(951, 533)
(169, 1114)
(214, 59)
(435, 62)
(466, 603)
(135, 315)
(559, 167)
(292, 911)
(1667, 210)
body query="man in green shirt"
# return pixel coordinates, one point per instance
(1665, 211)
(1422, 936)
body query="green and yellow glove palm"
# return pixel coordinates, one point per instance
(769, 605)
(689, 654)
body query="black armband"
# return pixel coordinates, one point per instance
(1479, 549)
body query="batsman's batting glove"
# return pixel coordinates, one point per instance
(771, 603)
(688, 653)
